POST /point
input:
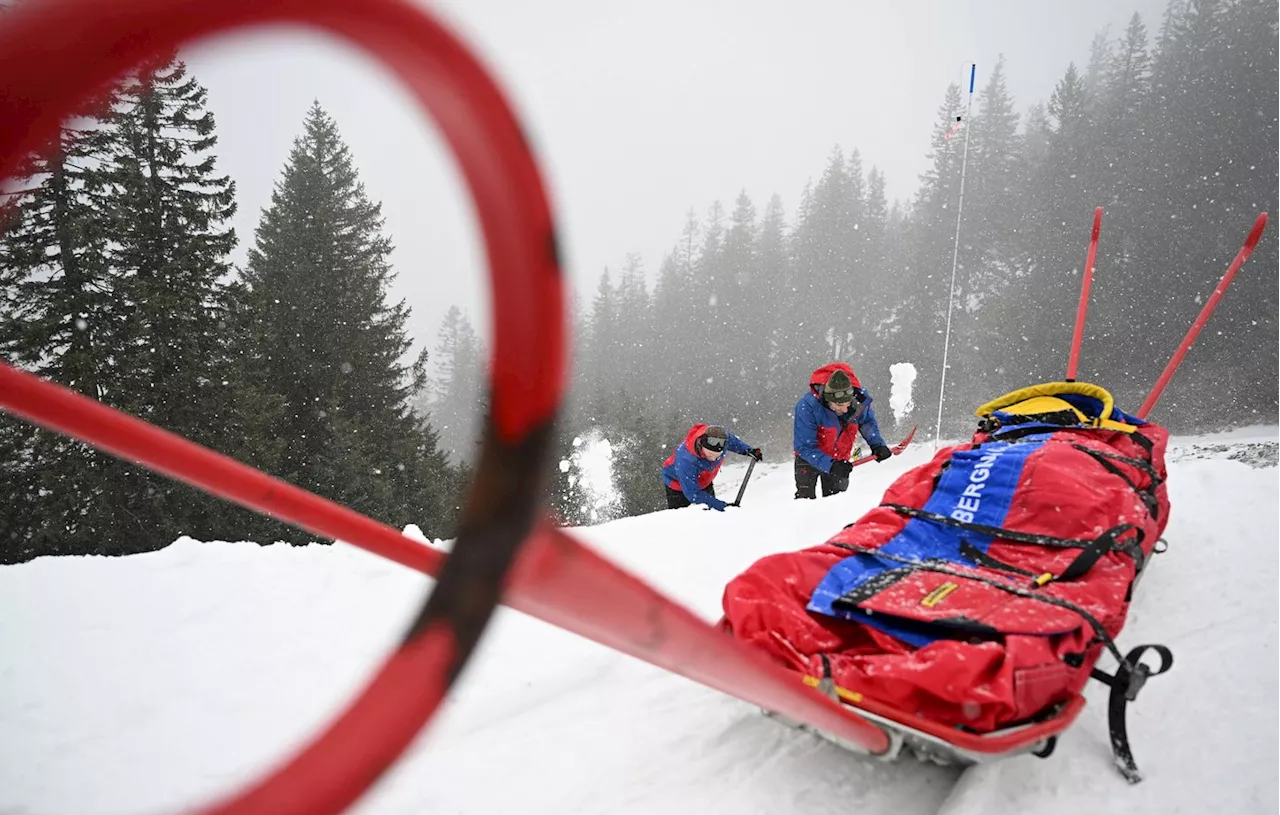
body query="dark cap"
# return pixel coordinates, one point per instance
(839, 388)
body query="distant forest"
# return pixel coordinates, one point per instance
(115, 280)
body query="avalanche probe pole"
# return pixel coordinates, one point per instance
(1073, 361)
(737, 502)
(955, 255)
(1250, 242)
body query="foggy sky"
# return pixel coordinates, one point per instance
(638, 112)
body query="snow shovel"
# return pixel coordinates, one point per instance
(896, 449)
(737, 502)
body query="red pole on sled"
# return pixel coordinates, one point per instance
(1250, 243)
(1074, 360)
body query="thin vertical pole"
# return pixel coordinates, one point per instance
(955, 255)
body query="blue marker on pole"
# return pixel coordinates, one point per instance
(973, 72)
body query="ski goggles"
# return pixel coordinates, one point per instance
(713, 443)
(841, 396)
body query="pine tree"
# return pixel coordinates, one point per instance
(670, 309)
(1127, 145)
(992, 179)
(1067, 181)
(882, 287)
(1095, 72)
(640, 450)
(60, 320)
(1128, 76)
(823, 261)
(994, 236)
(1208, 175)
(601, 357)
(457, 387)
(706, 317)
(1069, 109)
(136, 314)
(740, 340)
(170, 244)
(768, 318)
(678, 305)
(929, 236)
(637, 344)
(795, 301)
(332, 346)
(855, 278)
(687, 247)
(877, 221)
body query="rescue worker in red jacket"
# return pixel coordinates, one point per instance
(827, 419)
(689, 471)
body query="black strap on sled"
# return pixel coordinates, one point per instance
(1131, 674)
(1125, 683)
(1078, 568)
(1146, 494)
(971, 552)
(1007, 534)
(1113, 540)
(1144, 442)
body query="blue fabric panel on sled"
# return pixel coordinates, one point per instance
(977, 487)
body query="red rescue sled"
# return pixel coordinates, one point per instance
(965, 613)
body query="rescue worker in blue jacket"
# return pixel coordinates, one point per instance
(689, 471)
(827, 419)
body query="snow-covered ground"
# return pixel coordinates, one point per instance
(154, 682)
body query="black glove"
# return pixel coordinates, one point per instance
(755, 453)
(841, 469)
(881, 452)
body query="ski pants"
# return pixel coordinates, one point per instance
(676, 499)
(807, 481)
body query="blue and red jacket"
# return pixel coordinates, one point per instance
(820, 435)
(686, 470)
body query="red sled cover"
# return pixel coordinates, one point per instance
(982, 590)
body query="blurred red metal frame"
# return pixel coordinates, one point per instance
(56, 53)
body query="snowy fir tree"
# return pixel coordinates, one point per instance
(170, 244)
(116, 270)
(457, 388)
(59, 318)
(329, 344)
